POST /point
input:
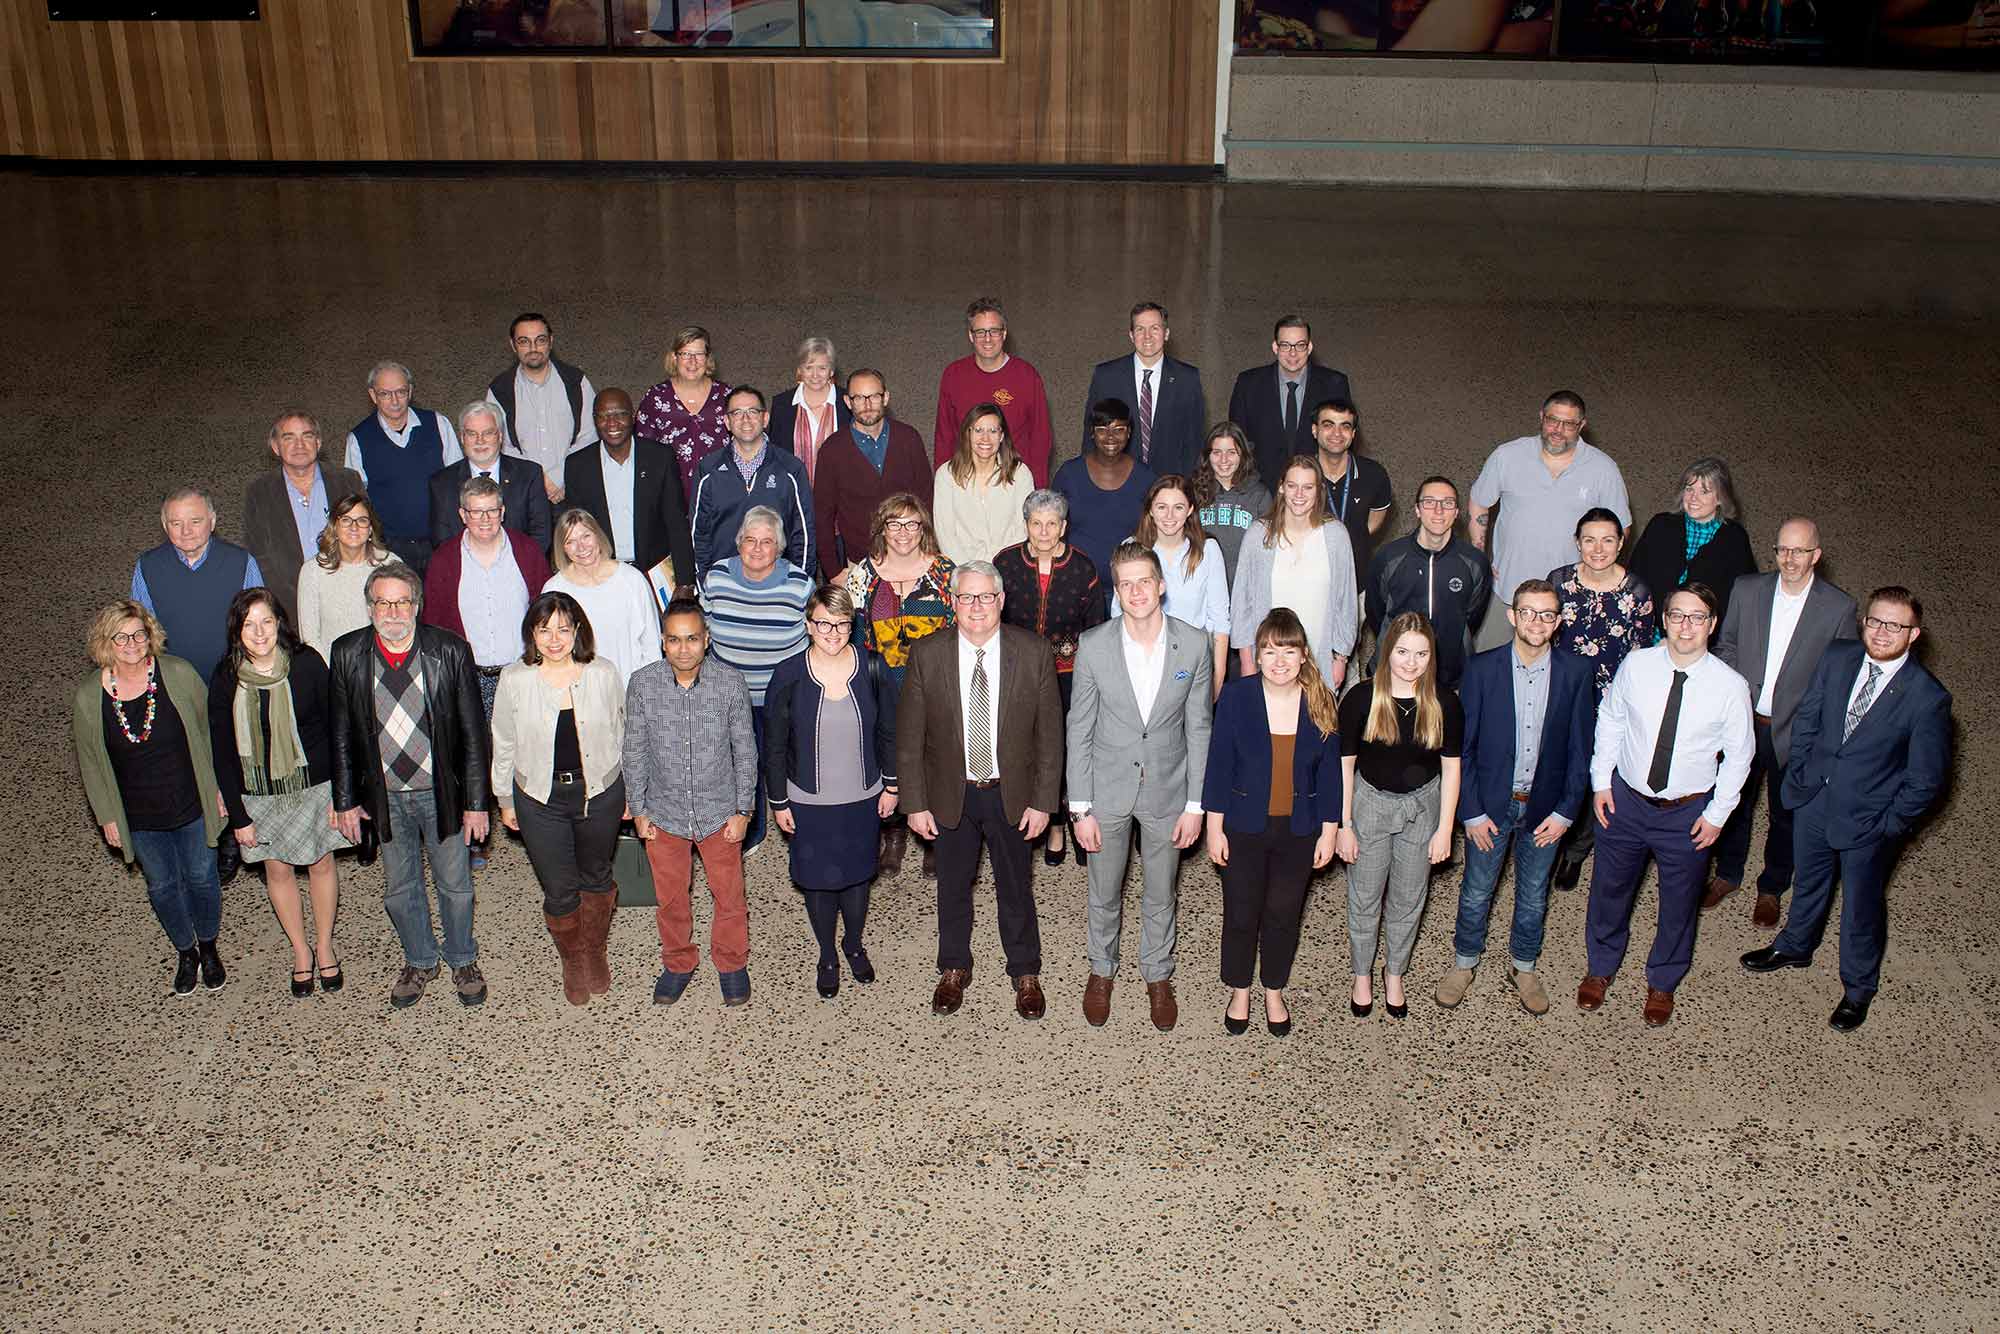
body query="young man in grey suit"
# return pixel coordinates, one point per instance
(1139, 718)
(1779, 624)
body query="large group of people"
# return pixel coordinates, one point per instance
(721, 609)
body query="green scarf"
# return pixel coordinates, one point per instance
(288, 763)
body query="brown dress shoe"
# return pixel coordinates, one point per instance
(929, 868)
(1718, 890)
(950, 993)
(1097, 1000)
(1659, 1007)
(1028, 1002)
(1765, 914)
(1590, 995)
(889, 855)
(1166, 1010)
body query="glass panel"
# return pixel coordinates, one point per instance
(450, 26)
(707, 24)
(909, 25)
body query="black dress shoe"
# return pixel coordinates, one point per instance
(1279, 1027)
(1082, 857)
(1849, 1015)
(858, 964)
(302, 981)
(828, 982)
(1396, 1011)
(1567, 874)
(1236, 1028)
(1772, 959)
(331, 980)
(1054, 856)
(1360, 1011)
(186, 971)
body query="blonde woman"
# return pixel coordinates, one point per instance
(330, 599)
(618, 599)
(981, 490)
(1191, 561)
(1400, 739)
(684, 412)
(805, 419)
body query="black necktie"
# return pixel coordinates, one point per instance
(1291, 411)
(1663, 750)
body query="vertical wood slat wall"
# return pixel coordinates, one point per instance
(1084, 82)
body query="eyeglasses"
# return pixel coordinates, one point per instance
(975, 599)
(1294, 346)
(1563, 423)
(298, 435)
(355, 521)
(393, 604)
(1545, 617)
(1686, 617)
(1437, 503)
(743, 414)
(831, 627)
(997, 331)
(903, 525)
(404, 392)
(691, 354)
(863, 400)
(1786, 553)
(481, 513)
(128, 638)
(542, 341)
(1877, 623)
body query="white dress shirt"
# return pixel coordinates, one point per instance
(621, 481)
(966, 653)
(1889, 670)
(1715, 717)
(401, 440)
(1146, 669)
(543, 423)
(1785, 612)
(492, 599)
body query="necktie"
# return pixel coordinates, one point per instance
(1859, 707)
(1145, 416)
(979, 733)
(1663, 750)
(1291, 412)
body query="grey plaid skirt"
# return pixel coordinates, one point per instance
(292, 826)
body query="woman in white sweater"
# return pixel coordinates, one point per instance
(330, 599)
(980, 491)
(1299, 556)
(617, 599)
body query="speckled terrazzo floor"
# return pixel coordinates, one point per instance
(243, 1161)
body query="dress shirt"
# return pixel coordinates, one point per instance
(967, 650)
(621, 480)
(1145, 667)
(309, 513)
(1889, 670)
(447, 437)
(1715, 716)
(1305, 408)
(542, 420)
(1531, 706)
(748, 467)
(874, 448)
(252, 576)
(1200, 598)
(1785, 613)
(492, 600)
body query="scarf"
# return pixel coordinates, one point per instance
(1697, 535)
(287, 772)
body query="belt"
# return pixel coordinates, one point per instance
(568, 776)
(982, 784)
(1668, 803)
(1521, 797)
(1763, 718)
(491, 671)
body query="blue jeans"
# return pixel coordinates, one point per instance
(412, 836)
(180, 880)
(1532, 868)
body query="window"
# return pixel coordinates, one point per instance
(706, 27)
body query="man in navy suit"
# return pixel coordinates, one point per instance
(1529, 715)
(524, 496)
(1274, 404)
(1169, 409)
(1870, 746)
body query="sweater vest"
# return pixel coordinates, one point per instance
(193, 605)
(399, 479)
(572, 381)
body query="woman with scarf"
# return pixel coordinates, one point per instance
(1699, 543)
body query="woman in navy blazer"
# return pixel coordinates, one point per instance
(1272, 794)
(815, 377)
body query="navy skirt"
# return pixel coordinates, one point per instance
(835, 847)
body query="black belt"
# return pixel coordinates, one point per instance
(491, 671)
(568, 776)
(982, 783)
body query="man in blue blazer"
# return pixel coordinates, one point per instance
(1169, 408)
(1529, 722)
(1870, 747)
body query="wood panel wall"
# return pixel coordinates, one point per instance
(1079, 82)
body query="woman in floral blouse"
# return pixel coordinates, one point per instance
(684, 411)
(1607, 611)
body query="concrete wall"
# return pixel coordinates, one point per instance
(1614, 126)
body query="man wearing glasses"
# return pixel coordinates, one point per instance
(1526, 775)
(876, 457)
(396, 448)
(991, 375)
(1434, 571)
(1870, 748)
(979, 751)
(1542, 484)
(730, 482)
(543, 401)
(1670, 711)
(285, 508)
(1274, 403)
(1776, 629)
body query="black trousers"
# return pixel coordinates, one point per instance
(985, 824)
(1263, 899)
(570, 851)
(1732, 849)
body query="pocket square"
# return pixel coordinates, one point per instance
(1182, 676)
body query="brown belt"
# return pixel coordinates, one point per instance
(1668, 803)
(990, 782)
(1521, 796)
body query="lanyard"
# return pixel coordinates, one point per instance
(1346, 484)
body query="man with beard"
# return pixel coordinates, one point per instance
(543, 401)
(875, 458)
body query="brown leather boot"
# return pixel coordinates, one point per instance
(595, 939)
(567, 932)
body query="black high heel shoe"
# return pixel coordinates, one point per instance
(1236, 1028)
(1054, 856)
(329, 982)
(1396, 1011)
(302, 979)
(1361, 1011)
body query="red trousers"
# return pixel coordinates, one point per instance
(673, 870)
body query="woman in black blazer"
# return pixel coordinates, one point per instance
(826, 412)
(1272, 793)
(1699, 543)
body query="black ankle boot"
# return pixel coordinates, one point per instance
(185, 971)
(213, 975)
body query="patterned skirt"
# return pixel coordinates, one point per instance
(292, 826)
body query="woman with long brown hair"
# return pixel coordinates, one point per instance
(1196, 575)
(981, 489)
(1228, 494)
(1299, 556)
(1272, 794)
(1399, 751)
(350, 547)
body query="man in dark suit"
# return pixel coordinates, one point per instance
(1773, 634)
(1169, 409)
(285, 509)
(979, 750)
(1870, 747)
(1529, 716)
(632, 487)
(1273, 404)
(524, 496)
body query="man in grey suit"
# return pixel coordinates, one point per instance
(1779, 624)
(1138, 747)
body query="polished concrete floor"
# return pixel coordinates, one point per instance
(244, 1161)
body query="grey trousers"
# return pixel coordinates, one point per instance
(1160, 868)
(1393, 829)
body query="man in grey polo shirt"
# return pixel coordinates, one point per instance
(1542, 484)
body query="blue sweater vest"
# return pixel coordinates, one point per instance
(399, 479)
(193, 605)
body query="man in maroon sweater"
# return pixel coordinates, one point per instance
(989, 375)
(873, 459)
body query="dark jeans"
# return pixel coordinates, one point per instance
(181, 881)
(570, 849)
(1263, 899)
(1638, 827)
(984, 823)
(1532, 868)
(1863, 875)
(825, 907)
(758, 819)
(1732, 850)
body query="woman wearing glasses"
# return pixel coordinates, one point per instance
(829, 761)
(980, 489)
(684, 412)
(330, 600)
(1699, 543)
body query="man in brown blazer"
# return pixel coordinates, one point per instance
(979, 748)
(285, 509)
